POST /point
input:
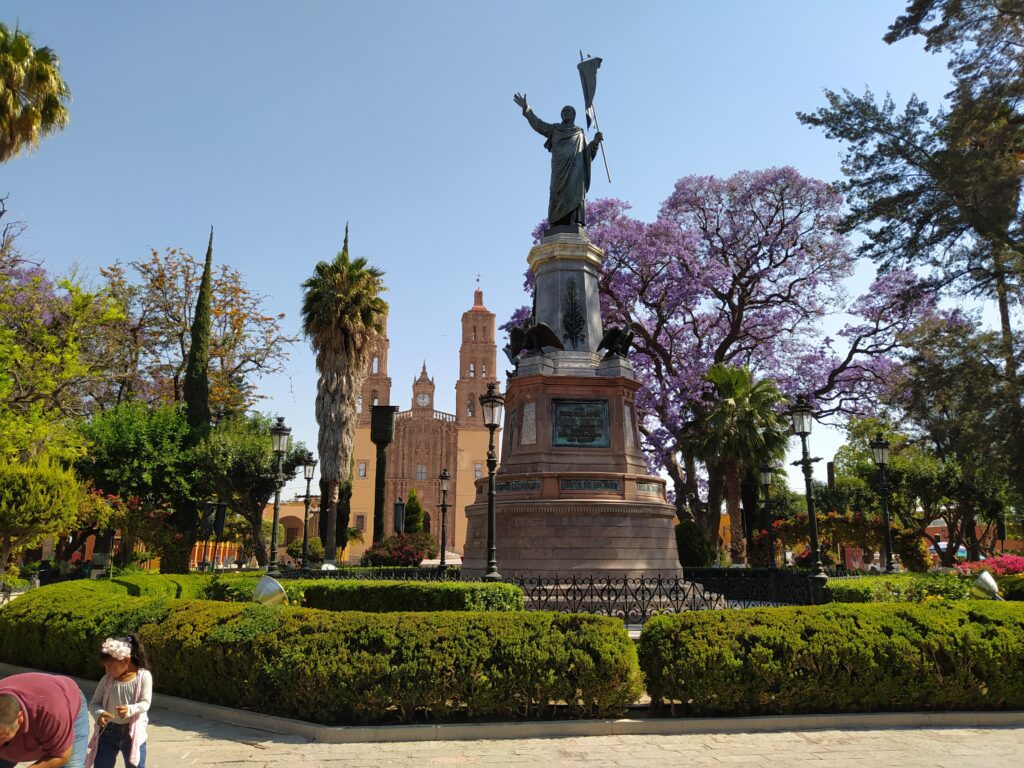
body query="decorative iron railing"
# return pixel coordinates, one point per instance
(632, 599)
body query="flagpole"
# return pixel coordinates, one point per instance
(597, 128)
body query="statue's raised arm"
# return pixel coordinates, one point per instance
(570, 164)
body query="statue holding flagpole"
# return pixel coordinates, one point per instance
(571, 153)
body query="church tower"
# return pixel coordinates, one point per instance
(377, 386)
(423, 394)
(476, 362)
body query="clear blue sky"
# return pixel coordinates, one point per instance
(277, 122)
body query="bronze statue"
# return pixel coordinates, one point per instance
(571, 155)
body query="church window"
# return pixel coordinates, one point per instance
(373, 397)
(359, 404)
(421, 471)
(474, 333)
(361, 468)
(470, 408)
(376, 364)
(478, 470)
(472, 371)
(483, 371)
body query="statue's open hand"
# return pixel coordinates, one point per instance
(520, 99)
(598, 138)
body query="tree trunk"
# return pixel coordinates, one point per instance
(712, 512)
(737, 535)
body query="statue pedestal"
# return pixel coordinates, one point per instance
(573, 495)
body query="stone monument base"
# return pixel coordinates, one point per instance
(575, 537)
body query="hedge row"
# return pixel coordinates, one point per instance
(340, 668)
(914, 588)
(329, 594)
(837, 658)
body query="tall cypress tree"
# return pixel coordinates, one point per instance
(197, 383)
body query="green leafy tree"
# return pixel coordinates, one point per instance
(144, 453)
(741, 428)
(316, 550)
(413, 513)
(342, 313)
(983, 36)
(148, 350)
(238, 459)
(197, 384)
(37, 499)
(47, 329)
(33, 95)
(241, 530)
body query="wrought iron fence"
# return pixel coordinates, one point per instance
(632, 599)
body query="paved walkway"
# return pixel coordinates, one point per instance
(181, 740)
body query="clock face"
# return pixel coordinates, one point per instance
(422, 400)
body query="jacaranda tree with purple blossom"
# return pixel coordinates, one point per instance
(742, 271)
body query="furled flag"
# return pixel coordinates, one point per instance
(588, 77)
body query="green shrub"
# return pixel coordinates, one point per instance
(402, 549)
(392, 596)
(837, 658)
(340, 667)
(1012, 587)
(694, 550)
(898, 588)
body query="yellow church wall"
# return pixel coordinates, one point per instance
(472, 450)
(362, 491)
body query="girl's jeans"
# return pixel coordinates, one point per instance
(116, 738)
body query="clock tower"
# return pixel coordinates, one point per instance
(423, 392)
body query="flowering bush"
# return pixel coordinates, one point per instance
(407, 549)
(1004, 565)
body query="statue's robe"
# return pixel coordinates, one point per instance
(570, 169)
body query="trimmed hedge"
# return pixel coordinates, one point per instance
(898, 588)
(329, 594)
(340, 668)
(837, 658)
(914, 588)
(393, 596)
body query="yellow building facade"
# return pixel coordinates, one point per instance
(427, 440)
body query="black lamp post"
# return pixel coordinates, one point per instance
(205, 528)
(308, 470)
(802, 418)
(444, 478)
(766, 485)
(279, 436)
(491, 404)
(399, 515)
(880, 453)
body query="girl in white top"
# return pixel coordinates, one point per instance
(120, 704)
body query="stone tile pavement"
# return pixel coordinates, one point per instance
(185, 740)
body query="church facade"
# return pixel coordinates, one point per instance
(427, 440)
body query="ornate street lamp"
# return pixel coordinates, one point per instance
(279, 437)
(766, 485)
(802, 417)
(308, 471)
(880, 453)
(491, 405)
(444, 478)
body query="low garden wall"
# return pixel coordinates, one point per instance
(338, 668)
(965, 655)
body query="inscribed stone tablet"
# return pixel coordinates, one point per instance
(579, 423)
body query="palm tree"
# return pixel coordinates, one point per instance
(741, 428)
(32, 93)
(342, 313)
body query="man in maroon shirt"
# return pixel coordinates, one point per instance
(44, 721)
